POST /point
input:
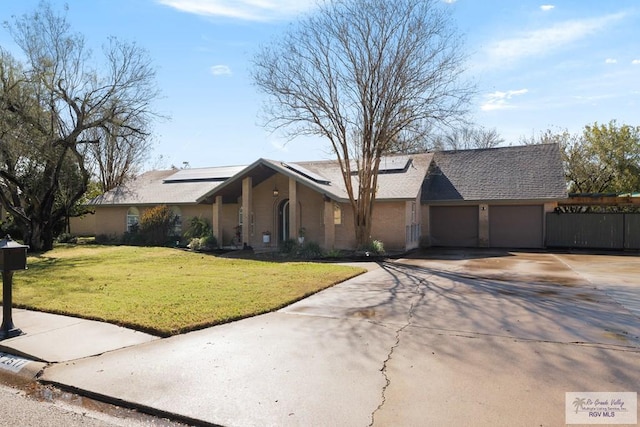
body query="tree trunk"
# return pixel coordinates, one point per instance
(363, 233)
(33, 237)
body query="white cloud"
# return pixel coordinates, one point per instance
(450, 1)
(542, 41)
(500, 100)
(249, 10)
(611, 61)
(219, 70)
(636, 62)
(547, 7)
(280, 146)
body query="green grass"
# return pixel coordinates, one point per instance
(164, 291)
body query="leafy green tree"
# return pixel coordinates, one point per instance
(603, 159)
(609, 159)
(55, 104)
(367, 75)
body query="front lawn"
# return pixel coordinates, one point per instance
(164, 291)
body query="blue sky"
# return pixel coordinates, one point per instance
(537, 66)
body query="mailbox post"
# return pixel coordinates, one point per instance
(13, 256)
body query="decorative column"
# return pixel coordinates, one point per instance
(247, 208)
(483, 225)
(294, 224)
(216, 222)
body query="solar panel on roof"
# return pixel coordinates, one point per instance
(306, 173)
(388, 165)
(204, 174)
(394, 164)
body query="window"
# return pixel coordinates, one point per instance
(337, 214)
(177, 225)
(133, 219)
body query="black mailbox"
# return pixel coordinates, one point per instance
(13, 255)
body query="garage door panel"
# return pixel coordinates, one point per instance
(454, 226)
(516, 226)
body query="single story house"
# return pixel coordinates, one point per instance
(473, 198)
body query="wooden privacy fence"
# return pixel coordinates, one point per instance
(593, 230)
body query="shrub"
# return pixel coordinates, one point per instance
(133, 237)
(66, 238)
(376, 247)
(310, 250)
(206, 243)
(289, 247)
(157, 224)
(198, 227)
(106, 239)
(333, 253)
(209, 241)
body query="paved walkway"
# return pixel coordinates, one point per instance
(471, 338)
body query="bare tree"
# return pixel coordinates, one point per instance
(55, 104)
(364, 74)
(118, 154)
(465, 138)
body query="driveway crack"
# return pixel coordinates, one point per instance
(420, 290)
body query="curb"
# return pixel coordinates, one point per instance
(16, 370)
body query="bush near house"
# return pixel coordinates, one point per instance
(199, 234)
(198, 227)
(157, 225)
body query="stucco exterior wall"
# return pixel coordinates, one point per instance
(111, 220)
(83, 225)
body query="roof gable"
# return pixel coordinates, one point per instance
(528, 172)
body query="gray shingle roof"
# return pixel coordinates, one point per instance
(159, 187)
(400, 176)
(530, 172)
(509, 173)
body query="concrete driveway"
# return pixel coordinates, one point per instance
(449, 338)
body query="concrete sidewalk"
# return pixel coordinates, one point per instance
(51, 338)
(476, 339)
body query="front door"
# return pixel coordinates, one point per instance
(283, 221)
